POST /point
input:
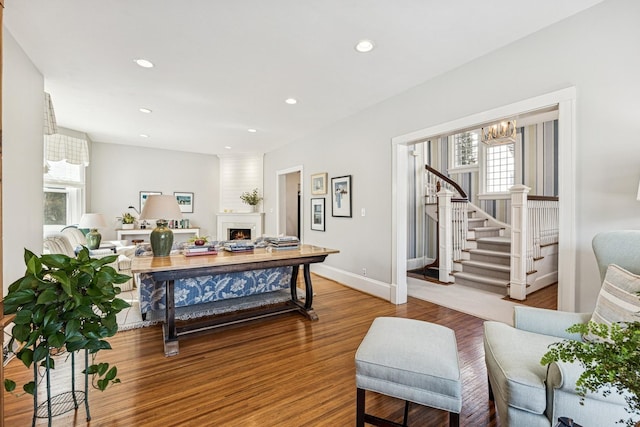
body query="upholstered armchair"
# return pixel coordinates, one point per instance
(67, 241)
(529, 394)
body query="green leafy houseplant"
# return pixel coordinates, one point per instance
(127, 218)
(611, 362)
(65, 303)
(251, 198)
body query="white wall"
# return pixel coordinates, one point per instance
(120, 172)
(595, 51)
(22, 148)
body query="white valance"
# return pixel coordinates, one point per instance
(59, 147)
(50, 125)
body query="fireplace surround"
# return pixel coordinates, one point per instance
(236, 225)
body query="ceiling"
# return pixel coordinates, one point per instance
(224, 67)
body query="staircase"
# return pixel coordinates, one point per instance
(486, 262)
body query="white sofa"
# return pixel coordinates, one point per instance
(529, 394)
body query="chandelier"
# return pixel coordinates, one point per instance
(499, 133)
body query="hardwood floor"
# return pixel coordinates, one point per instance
(283, 371)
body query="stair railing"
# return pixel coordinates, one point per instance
(534, 224)
(451, 210)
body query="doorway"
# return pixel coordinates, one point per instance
(289, 202)
(402, 145)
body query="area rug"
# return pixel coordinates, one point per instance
(131, 318)
(476, 302)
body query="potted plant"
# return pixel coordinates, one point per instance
(128, 221)
(252, 198)
(611, 362)
(64, 304)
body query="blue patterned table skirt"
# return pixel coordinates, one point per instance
(200, 290)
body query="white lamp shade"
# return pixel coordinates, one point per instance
(161, 207)
(92, 221)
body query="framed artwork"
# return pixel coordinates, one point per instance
(319, 183)
(185, 201)
(317, 214)
(341, 196)
(144, 195)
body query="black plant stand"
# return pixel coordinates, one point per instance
(63, 402)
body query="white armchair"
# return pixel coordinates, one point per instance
(61, 243)
(529, 394)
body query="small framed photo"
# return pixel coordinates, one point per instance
(185, 201)
(319, 183)
(144, 195)
(341, 196)
(317, 214)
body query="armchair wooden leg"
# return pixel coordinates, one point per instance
(491, 398)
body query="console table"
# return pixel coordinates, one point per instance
(167, 269)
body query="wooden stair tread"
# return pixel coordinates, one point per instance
(487, 265)
(489, 252)
(481, 279)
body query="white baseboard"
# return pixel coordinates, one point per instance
(355, 281)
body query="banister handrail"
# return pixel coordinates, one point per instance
(451, 182)
(545, 198)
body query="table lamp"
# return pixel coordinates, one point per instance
(159, 207)
(92, 221)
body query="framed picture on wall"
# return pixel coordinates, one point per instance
(317, 214)
(185, 201)
(144, 195)
(319, 183)
(341, 196)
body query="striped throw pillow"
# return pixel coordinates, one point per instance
(618, 300)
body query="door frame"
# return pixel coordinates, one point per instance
(565, 100)
(280, 197)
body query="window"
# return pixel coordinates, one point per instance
(465, 149)
(63, 194)
(500, 168)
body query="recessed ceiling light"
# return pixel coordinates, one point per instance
(252, 130)
(291, 101)
(227, 147)
(144, 63)
(144, 135)
(145, 110)
(364, 46)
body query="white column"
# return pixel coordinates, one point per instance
(518, 287)
(445, 233)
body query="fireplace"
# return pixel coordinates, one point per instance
(239, 225)
(239, 234)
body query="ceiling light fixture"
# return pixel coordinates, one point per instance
(364, 46)
(499, 133)
(145, 110)
(227, 147)
(291, 101)
(252, 130)
(144, 63)
(144, 135)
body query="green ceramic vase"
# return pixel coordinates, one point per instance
(93, 239)
(161, 239)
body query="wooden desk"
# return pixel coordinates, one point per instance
(167, 269)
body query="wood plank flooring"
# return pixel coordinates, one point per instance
(283, 371)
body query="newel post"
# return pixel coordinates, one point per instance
(518, 286)
(445, 231)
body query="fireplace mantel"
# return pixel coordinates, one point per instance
(251, 220)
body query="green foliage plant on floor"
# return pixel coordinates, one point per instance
(65, 303)
(611, 362)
